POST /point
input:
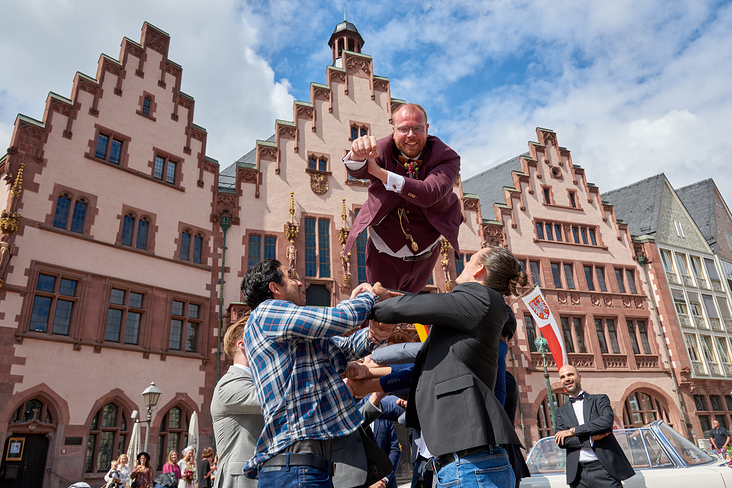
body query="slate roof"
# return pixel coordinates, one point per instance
(489, 184)
(227, 176)
(638, 204)
(699, 199)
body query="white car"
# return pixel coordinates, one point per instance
(661, 457)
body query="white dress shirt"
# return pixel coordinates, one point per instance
(587, 455)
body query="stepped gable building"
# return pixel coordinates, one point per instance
(108, 265)
(679, 232)
(292, 198)
(541, 206)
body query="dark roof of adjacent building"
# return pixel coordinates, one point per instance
(700, 199)
(227, 176)
(638, 204)
(489, 184)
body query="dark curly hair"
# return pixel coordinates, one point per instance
(504, 271)
(255, 285)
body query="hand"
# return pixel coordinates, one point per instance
(561, 435)
(402, 403)
(597, 437)
(357, 371)
(376, 398)
(361, 388)
(379, 331)
(363, 287)
(383, 293)
(363, 148)
(379, 484)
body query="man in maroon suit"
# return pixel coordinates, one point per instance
(410, 202)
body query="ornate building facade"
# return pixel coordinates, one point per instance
(115, 228)
(541, 206)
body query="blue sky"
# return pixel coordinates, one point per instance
(631, 88)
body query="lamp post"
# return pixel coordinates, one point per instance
(151, 395)
(543, 347)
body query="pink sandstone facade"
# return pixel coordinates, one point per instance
(108, 285)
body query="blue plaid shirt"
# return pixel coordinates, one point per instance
(296, 359)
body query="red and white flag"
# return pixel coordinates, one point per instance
(547, 324)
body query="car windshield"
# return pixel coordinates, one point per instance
(644, 447)
(691, 454)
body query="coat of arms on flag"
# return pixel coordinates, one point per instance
(540, 308)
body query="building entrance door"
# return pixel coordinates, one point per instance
(24, 461)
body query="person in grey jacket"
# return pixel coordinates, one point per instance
(237, 418)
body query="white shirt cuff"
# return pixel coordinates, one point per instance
(394, 182)
(353, 165)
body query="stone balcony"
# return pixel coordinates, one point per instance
(698, 368)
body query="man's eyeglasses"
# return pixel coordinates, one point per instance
(416, 129)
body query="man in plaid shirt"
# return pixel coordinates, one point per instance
(296, 356)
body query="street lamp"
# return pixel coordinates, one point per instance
(543, 347)
(151, 395)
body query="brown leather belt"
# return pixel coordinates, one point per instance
(442, 461)
(298, 459)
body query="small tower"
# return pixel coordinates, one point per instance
(344, 37)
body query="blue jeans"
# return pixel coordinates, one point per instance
(293, 477)
(488, 468)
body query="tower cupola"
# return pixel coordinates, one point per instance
(345, 37)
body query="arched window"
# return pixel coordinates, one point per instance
(185, 245)
(642, 408)
(173, 434)
(543, 416)
(61, 217)
(142, 227)
(108, 436)
(32, 410)
(77, 218)
(128, 228)
(146, 103)
(197, 248)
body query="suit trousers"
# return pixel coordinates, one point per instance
(397, 274)
(594, 475)
(484, 469)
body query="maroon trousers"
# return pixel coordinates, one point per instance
(397, 274)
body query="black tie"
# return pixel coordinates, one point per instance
(580, 397)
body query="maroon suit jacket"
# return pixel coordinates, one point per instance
(432, 192)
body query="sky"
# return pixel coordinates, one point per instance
(632, 88)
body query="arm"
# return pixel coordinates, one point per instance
(500, 388)
(238, 397)
(459, 309)
(284, 321)
(397, 353)
(438, 183)
(568, 440)
(167, 468)
(345, 349)
(389, 408)
(601, 424)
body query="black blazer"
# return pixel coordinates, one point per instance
(598, 414)
(451, 395)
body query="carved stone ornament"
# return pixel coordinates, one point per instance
(493, 235)
(639, 303)
(226, 199)
(268, 153)
(381, 85)
(358, 64)
(627, 303)
(342, 236)
(595, 300)
(562, 297)
(318, 183)
(608, 301)
(471, 204)
(321, 94)
(575, 299)
(338, 76)
(287, 131)
(9, 222)
(306, 112)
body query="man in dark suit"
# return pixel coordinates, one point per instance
(584, 429)
(410, 202)
(451, 393)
